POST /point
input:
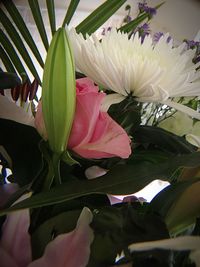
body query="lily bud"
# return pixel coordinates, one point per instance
(59, 91)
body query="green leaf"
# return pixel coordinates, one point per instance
(70, 12)
(35, 9)
(21, 143)
(21, 26)
(15, 37)
(7, 45)
(6, 61)
(99, 16)
(162, 139)
(118, 226)
(179, 204)
(134, 23)
(8, 80)
(122, 179)
(51, 13)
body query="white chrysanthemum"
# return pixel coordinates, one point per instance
(149, 72)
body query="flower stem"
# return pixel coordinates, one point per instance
(56, 166)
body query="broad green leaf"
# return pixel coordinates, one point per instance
(179, 204)
(15, 37)
(122, 180)
(8, 80)
(70, 12)
(51, 13)
(134, 23)
(21, 143)
(8, 47)
(99, 16)
(118, 226)
(162, 139)
(35, 9)
(21, 26)
(185, 210)
(59, 91)
(6, 61)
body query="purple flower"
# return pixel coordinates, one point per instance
(143, 30)
(191, 44)
(127, 19)
(143, 7)
(105, 30)
(158, 35)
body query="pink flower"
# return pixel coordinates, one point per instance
(94, 133)
(71, 249)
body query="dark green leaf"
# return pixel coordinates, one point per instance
(99, 16)
(8, 80)
(127, 114)
(162, 139)
(19, 22)
(70, 12)
(6, 61)
(51, 13)
(122, 179)
(118, 226)
(21, 143)
(35, 9)
(163, 201)
(8, 47)
(15, 37)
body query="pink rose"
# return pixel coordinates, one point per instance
(94, 133)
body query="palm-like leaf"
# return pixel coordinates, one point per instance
(9, 52)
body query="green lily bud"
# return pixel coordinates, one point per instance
(59, 91)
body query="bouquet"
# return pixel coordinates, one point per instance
(116, 112)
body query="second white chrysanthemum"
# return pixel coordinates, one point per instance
(147, 71)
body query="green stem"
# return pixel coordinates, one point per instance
(56, 166)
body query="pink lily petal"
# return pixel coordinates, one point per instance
(71, 249)
(15, 240)
(6, 259)
(6, 191)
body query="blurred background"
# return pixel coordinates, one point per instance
(179, 17)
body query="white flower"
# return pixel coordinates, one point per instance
(149, 72)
